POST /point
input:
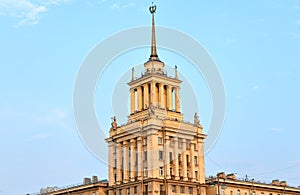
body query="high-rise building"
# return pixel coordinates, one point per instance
(156, 152)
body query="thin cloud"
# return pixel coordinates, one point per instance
(286, 73)
(119, 6)
(55, 116)
(276, 129)
(298, 22)
(257, 87)
(230, 40)
(38, 136)
(294, 35)
(27, 11)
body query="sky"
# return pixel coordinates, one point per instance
(255, 45)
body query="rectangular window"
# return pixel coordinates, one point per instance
(145, 155)
(195, 160)
(182, 189)
(171, 156)
(190, 190)
(222, 191)
(160, 140)
(171, 171)
(188, 143)
(146, 171)
(179, 143)
(161, 171)
(187, 160)
(145, 140)
(115, 162)
(179, 172)
(160, 155)
(135, 189)
(171, 142)
(195, 146)
(196, 175)
(128, 191)
(161, 188)
(173, 188)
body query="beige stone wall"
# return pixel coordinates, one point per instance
(247, 188)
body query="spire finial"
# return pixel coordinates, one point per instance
(153, 55)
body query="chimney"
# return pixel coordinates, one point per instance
(221, 175)
(283, 183)
(94, 179)
(231, 176)
(275, 182)
(87, 180)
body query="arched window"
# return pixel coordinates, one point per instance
(238, 192)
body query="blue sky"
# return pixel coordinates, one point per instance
(255, 44)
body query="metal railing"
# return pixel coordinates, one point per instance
(55, 189)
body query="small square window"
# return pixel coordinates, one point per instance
(160, 141)
(182, 189)
(161, 188)
(161, 171)
(195, 160)
(160, 155)
(173, 188)
(171, 156)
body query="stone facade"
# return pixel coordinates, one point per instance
(228, 185)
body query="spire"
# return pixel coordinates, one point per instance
(153, 55)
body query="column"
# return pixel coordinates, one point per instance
(132, 101)
(201, 168)
(132, 159)
(167, 157)
(140, 160)
(119, 163)
(184, 162)
(177, 100)
(111, 163)
(126, 161)
(169, 98)
(176, 162)
(146, 96)
(140, 98)
(149, 161)
(161, 95)
(192, 163)
(153, 94)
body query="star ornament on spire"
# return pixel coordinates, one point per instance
(152, 9)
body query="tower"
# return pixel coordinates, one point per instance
(156, 152)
